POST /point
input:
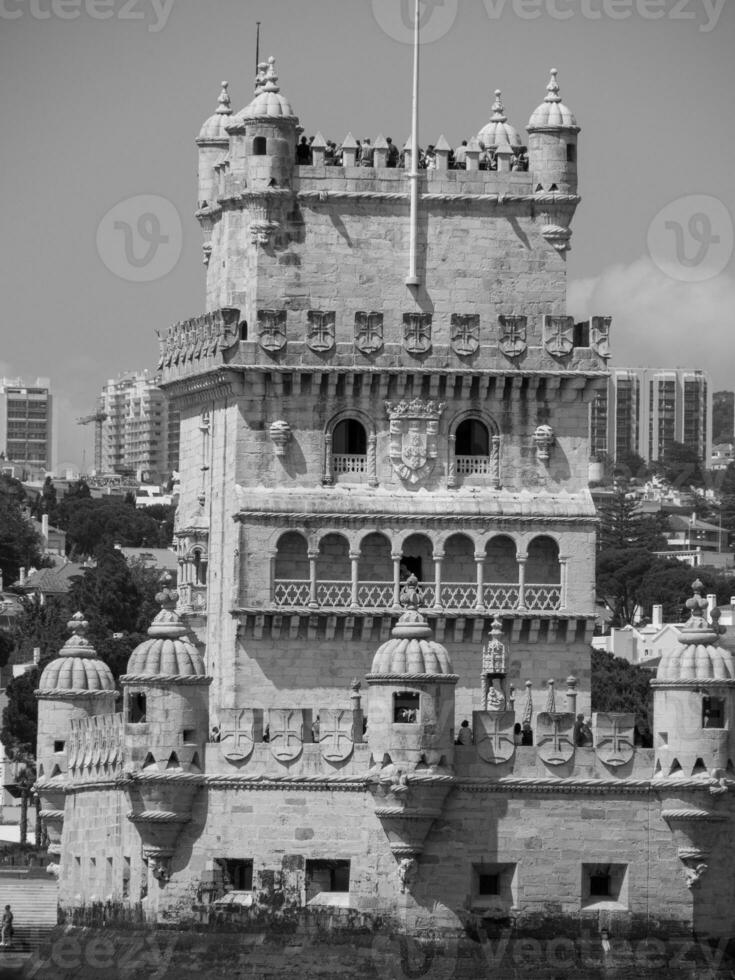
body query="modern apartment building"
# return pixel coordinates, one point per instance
(136, 427)
(646, 409)
(26, 422)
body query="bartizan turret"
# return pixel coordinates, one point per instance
(552, 162)
(76, 685)
(213, 142)
(166, 725)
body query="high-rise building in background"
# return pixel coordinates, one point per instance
(26, 422)
(644, 410)
(137, 427)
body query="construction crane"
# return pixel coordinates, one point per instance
(98, 418)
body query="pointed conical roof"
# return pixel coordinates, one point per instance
(552, 113)
(77, 668)
(499, 131)
(214, 127)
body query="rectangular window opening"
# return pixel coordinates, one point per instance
(237, 874)
(713, 712)
(406, 705)
(59, 744)
(493, 887)
(605, 885)
(136, 708)
(326, 876)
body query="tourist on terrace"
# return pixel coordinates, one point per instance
(526, 734)
(464, 737)
(6, 928)
(393, 154)
(460, 156)
(366, 154)
(303, 153)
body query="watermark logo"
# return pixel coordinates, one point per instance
(155, 12)
(692, 238)
(706, 12)
(140, 238)
(396, 18)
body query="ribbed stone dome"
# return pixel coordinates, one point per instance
(169, 652)
(697, 657)
(499, 132)
(214, 127)
(268, 101)
(77, 667)
(411, 649)
(552, 113)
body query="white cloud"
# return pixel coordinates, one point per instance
(661, 322)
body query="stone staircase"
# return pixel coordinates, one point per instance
(32, 894)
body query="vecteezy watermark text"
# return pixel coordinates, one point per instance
(155, 12)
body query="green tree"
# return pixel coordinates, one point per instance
(46, 502)
(90, 524)
(682, 467)
(621, 686)
(20, 545)
(623, 525)
(629, 465)
(20, 716)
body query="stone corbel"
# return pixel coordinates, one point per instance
(544, 440)
(280, 432)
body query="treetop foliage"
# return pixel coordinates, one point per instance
(621, 686)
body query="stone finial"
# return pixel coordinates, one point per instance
(528, 710)
(78, 625)
(442, 153)
(552, 89)
(224, 107)
(498, 109)
(572, 694)
(410, 593)
(260, 77)
(544, 439)
(167, 597)
(280, 432)
(270, 83)
(551, 698)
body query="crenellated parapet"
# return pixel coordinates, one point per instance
(201, 340)
(96, 747)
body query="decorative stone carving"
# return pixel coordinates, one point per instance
(414, 429)
(286, 733)
(407, 872)
(417, 332)
(694, 872)
(320, 331)
(600, 335)
(237, 733)
(559, 335)
(465, 333)
(272, 329)
(493, 731)
(557, 236)
(368, 332)
(160, 867)
(614, 737)
(280, 432)
(335, 734)
(512, 339)
(544, 440)
(554, 738)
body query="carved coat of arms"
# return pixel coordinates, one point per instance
(614, 737)
(559, 335)
(465, 333)
(494, 735)
(417, 332)
(286, 733)
(414, 430)
(237, 733)
(368, 331)
(335, 734)
(320, 330)
(600, 335)
(512, 337)
(555, 737)
(272, 329)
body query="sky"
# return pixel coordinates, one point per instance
(102, 100)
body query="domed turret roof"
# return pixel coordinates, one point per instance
(498, 131)
(169, 652)
(214, 127)
(411, 649)
(77, 667)
(268, 102)
(552, 113)
(697, 657)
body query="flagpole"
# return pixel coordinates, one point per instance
(413, 176)
(257, 47)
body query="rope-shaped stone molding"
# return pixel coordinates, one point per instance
(157, 816)
(417, 678)
(65, 694)
(708, 682)
(324, 196)
(314, 782)
(51, 784)
(163, 777)
(51, 814)
(155, 680)
(408, 814)
(699, 815)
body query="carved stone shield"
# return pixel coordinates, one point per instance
(465, 333)
(272, 329)
(600, 335)
(286, 733)
(368, 332)
(320, 331)
(493, 732)
(237, 734)
(614, 737)
(414, 430)
(554, 737)
(559, 335)
(512, 338)
(335, 734)
(417, 332)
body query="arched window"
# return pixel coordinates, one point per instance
(200, 568)
(472, 439)
(259, 146)
(542, 564)
(349, 438)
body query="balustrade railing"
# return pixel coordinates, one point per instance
(496, 596)
(474, 465)
(343, 463)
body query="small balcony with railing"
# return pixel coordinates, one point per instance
(454, 579)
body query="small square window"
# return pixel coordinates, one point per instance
(406, 705)
(488, 884)
(713, 712)
(326, 876)
(493, 887)
(237, 874)
(59, 744)
(604, 885)
(189, 735)
(136, 708)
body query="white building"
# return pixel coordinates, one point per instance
(135, 432)
(26, 422)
